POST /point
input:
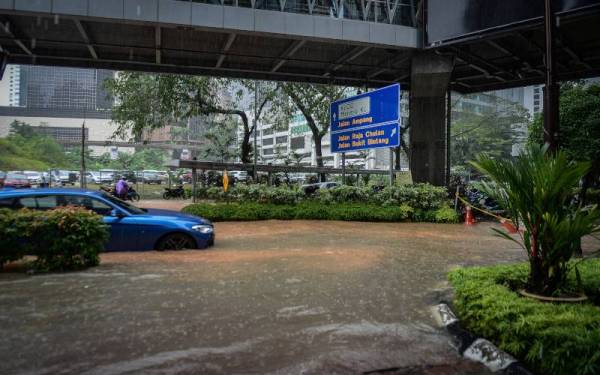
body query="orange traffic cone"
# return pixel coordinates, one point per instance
(469, 218)
(509, 226)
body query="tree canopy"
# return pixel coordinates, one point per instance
(151, 101)
(492, 133)
(579, 131)
(313, 102)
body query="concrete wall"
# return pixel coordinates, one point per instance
(225, 17)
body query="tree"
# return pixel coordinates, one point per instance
(313, 102)
(37, 151)
(492, 133)
(579, 131)
(535, 188)
(150, 101)
(221, 141)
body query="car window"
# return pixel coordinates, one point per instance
(89, 203)
(124, 205)
(7, 203)
(100, 208)
(46, 202)
(27, 202)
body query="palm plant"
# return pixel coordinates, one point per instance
(536, 189)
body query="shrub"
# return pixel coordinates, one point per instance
(303, 210)
(345, 194)
(66, 238)
(12, 227)
(418, 196)
(536, 189)
(549, 338)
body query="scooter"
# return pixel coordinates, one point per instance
(176, 192)
(132, 194)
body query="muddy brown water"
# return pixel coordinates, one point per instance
(276, 297)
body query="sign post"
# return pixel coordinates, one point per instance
(366, 121)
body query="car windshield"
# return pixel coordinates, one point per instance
(16, 176)
(124, 205)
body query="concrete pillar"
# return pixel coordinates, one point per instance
(429, 79)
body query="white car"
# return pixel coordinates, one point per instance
(93, 178)
(239, 175)
(33, 177)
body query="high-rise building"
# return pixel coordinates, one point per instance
(60, 100)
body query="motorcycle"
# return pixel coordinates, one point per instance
(176, 192)
(132, 194)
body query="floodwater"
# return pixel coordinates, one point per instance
(298, 297)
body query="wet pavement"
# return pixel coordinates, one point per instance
(277, 297)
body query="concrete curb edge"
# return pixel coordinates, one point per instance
(476, 348)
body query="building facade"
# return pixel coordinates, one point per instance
(59, 101)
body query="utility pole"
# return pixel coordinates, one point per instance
(255, 126)
(82, 183)
(551, 90)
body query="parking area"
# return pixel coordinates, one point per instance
(271, 297)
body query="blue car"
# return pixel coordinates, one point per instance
(131, 228)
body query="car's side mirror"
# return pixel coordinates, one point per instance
(116, 213)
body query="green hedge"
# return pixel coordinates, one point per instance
(316, 211)
(65, 238)
(418, 196)
(550, 338)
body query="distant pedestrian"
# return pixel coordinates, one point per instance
(122, 188)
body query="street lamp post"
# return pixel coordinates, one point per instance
(255, 127)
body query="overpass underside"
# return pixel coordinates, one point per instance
(188, 37)
(346, 42)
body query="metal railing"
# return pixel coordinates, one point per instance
(395, 12)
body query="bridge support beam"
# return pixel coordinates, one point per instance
(429, 79)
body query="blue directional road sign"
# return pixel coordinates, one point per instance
(386, 135)
(369, 120)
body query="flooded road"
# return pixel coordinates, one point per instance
(276, 297)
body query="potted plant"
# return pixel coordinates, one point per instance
(536, 189)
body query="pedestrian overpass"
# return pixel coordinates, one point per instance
(300, 40)
(430, 47)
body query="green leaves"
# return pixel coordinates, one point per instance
(536, 189)
(62, 239)
(561, 339)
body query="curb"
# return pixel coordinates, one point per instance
(476, 348)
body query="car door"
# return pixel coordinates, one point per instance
(115, 224)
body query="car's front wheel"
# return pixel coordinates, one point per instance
(176, 241)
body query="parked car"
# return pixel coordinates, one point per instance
(107, 175)
(310, 189)
(34, 177)
(150, 177)
(63, 177)
(239, 175)
(127, 175)
(131, 228)
(16, 180)
(92, 177)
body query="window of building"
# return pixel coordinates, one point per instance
(281, 139)
(267, 141)
(267, 131)
(61, 133)
(267, 151)
(297, 143)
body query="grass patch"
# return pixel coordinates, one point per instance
(549, 338)
(315, 211)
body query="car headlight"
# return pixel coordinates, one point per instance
(202, 228)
